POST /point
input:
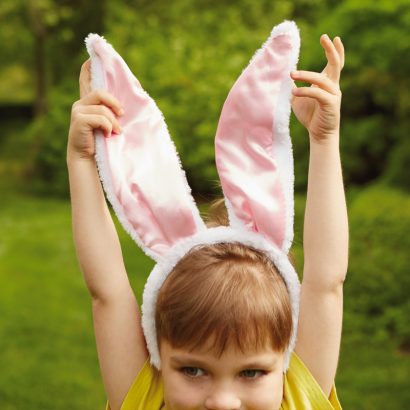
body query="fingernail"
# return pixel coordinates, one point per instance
(121, 112)
(294, 73)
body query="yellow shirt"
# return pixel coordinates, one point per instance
(301, 391)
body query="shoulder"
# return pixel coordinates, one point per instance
(301, 390)
(146, 390)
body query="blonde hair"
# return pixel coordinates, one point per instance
(226, 293)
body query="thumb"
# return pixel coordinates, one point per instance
(85, 78)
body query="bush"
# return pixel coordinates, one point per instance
(189, 65)
(46, 167)
(377, 285)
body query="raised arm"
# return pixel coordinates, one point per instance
(325, 237)
(96, 240)
(325, 233)
(120, 342)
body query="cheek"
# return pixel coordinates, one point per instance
(180, 394)
(267, 395)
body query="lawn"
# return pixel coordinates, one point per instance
(48, 356)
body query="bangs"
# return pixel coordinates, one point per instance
(238, 300)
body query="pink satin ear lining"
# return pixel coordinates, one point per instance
(245, 152)
(146, 176)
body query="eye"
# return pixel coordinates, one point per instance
(252, 373)
(192, 371)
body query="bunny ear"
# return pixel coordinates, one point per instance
(140, 169)
(252, 144)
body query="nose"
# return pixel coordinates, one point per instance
(222, 399)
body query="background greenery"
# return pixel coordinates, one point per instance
(187, 55)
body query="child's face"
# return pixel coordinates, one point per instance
(235, 381)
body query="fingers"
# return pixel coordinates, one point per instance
(103, 97)
(328, 79)
(322, 97)
(89, 97)
(105, 111)
(335, 56)
(319, 79)
(96, 121)
(99, 109)
(341, 50)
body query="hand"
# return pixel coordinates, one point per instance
(95, 109)
(318, 107)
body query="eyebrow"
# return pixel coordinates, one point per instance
(183, 360)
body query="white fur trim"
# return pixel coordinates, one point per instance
(234, 221)
(287, 26)
(282, 143)
(212, 236)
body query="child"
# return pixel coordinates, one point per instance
(221, 308)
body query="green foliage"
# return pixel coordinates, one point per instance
(187, 55)
(398, 171)
(376, 101)
(378, 283)
(46, 168)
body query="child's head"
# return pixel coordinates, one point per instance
(229, 292)
(223, 315)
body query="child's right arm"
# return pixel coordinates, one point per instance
(120, 342)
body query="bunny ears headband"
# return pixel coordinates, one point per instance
(147, 187)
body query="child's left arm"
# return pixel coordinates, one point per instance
(325, 235)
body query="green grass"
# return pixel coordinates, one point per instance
(48, 356)
(372, 376)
